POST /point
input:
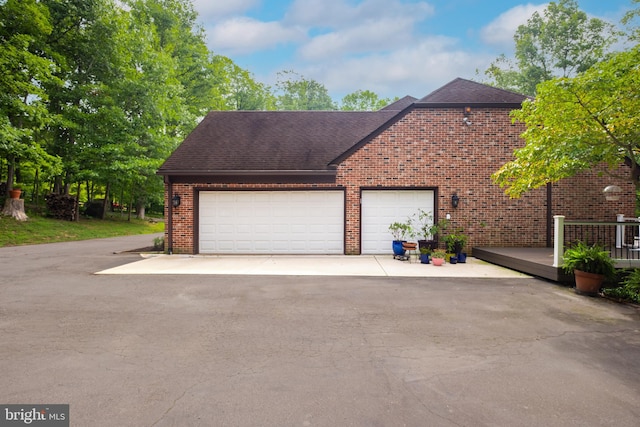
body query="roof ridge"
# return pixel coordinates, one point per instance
(465, 91)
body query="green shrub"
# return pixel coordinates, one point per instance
(158, 244)
(590, 259)
(630, 289)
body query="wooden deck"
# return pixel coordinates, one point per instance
(539, 261)
(534, 261)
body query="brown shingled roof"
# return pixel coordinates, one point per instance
(467, 92)
(400, 104)
(271, 140)
(276, 141)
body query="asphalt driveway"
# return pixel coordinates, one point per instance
(277, 350)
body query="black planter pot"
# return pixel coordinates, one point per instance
(431, 244)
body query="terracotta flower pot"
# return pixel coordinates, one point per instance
(15, 193)
(588, 283)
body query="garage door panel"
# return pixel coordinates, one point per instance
(271, 222)
(383, 207)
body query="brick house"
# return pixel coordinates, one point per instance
(330, 182)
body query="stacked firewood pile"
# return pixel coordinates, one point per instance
(62, 206)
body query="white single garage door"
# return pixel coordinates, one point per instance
(380, 208)
(271, 222)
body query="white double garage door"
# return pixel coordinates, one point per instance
(299, 222)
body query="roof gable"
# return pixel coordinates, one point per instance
(467, 92)
(400, 104)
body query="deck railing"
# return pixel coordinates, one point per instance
(620, 238)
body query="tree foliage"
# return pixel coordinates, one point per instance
(579, 122)
(630, 19)
(99, 92)
(238, 88)
(299, 93)
(25, 67)
(561, 42)
(363, 100)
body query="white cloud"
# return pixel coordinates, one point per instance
(413, 70)
(208, 9)
(371, 36)
(341, 13)
(501, 30)
(245, 35)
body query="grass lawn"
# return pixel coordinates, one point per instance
(39, 229)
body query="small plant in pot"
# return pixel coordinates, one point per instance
(400, 231)
(437, 256)
(590, 264)
(425, 251)
(455, 242)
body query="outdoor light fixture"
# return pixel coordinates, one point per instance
(612, 192)
(175, 201)
(465, 119)
(455, 200)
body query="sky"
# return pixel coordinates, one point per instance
(391, 47)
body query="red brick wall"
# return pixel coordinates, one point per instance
(581, 197)
(434, 148)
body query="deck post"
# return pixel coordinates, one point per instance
(619, 232)
(558, 240)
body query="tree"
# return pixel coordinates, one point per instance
(561, 43)
(576, 123)
(238, 90)
(24, 26)
(177, 35)
(628, 19)
(363, 100)
(137, 80)
(101, 91)
(299, 93)
(82, 46)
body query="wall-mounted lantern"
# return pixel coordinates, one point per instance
(612, 192)
(175, 201)
(455, 200)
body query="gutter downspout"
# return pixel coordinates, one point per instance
(170, 214)
(550, 220)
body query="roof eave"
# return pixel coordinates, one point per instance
(468, 104)
(182, 172)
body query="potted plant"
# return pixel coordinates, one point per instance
(455, 242)
(437, 256)
(15, 192)
(400, 231)
(425, 251)
(427, 229)
(591, 265)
